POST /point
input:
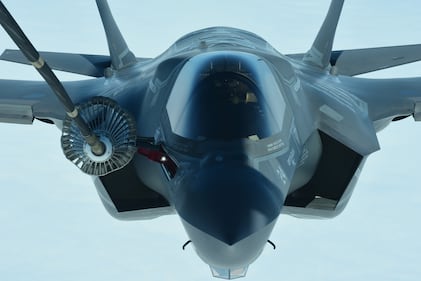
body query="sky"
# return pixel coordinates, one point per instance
(54, 227)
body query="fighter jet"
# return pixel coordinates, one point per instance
(221, 129)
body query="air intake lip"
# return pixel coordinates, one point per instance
(116, 129)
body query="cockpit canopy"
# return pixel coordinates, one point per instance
(224, 96)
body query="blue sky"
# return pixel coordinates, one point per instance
(53, 226)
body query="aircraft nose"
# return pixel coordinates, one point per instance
(229, 202)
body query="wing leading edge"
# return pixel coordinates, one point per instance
(359, 61)
(22, 101)
(89, 65)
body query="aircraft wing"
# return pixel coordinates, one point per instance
(360, 61)
(90, 65)
(22, 101)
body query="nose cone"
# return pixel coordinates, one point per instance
(227, 260)
(221, 206)
(229, 201)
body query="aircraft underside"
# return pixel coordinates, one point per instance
(221, 129)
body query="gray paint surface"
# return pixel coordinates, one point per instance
(404, 107)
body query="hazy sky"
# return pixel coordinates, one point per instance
(53, 226)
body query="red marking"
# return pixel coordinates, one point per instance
(160, 156)
(152, 154)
